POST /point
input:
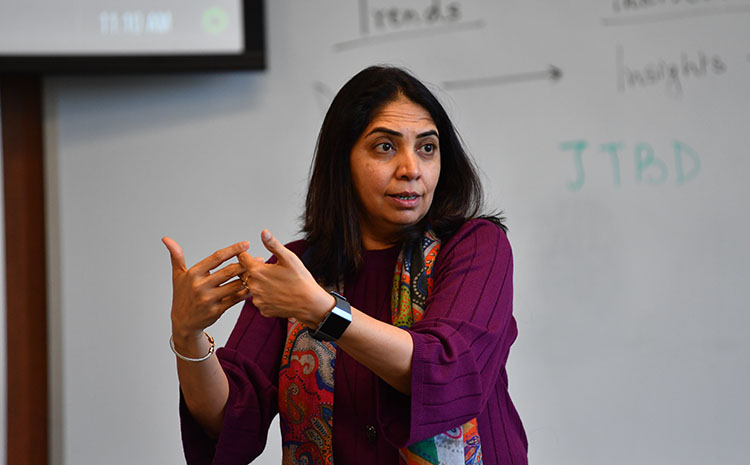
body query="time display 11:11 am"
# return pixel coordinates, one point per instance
(135, 22)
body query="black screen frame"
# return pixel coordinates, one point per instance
(253, 57)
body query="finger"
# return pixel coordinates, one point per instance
(220, 256)
(217, 295)
(224, 274)
(275, 247)
(228, 289)
(233, 299)
(249, 262)
(175, 254)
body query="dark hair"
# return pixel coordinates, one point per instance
(331, 221)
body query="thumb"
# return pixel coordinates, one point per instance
(274, 246)
(175, 253)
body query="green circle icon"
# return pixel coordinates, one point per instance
(215, 20)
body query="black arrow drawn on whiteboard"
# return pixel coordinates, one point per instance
(553, 73)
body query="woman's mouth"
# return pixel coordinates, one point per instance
(406, 199)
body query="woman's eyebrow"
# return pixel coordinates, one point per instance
(385, 130)
(431, 132)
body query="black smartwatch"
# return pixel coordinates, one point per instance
(336, 322)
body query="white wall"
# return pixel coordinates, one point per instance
(631, 291)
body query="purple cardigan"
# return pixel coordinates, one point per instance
(458, 367)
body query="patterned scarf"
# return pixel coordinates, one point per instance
(306, 378)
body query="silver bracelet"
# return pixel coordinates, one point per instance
(188, 359)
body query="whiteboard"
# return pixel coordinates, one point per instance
(613, 134)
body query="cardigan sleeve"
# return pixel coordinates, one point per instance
(251, 361)
(462, 343)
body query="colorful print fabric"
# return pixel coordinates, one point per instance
(306, 398)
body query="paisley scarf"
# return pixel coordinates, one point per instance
(307, 372)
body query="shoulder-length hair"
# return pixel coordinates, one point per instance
(331, 221)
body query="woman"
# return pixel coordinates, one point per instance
(364, 364)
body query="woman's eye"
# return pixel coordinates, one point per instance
(428, 148)
(384, 147)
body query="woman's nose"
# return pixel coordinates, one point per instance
(408, 165)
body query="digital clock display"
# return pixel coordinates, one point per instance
(94, 27)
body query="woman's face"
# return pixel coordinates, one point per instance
(395, 167)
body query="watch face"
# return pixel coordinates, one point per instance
(336, 325)
(336, 322)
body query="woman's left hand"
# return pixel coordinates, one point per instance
(285, 289)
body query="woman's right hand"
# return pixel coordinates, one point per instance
(200, 297)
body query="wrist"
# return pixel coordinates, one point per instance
(188, 339)
(336, 321)
(320, 306)
(190, 356)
